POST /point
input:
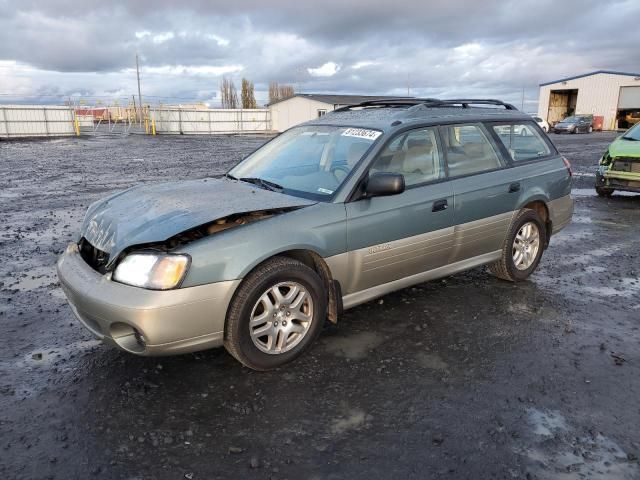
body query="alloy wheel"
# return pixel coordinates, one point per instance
(526, 245)
(281, 318)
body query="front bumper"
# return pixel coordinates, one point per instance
(140, 321)
(617, 180)
(564, 129)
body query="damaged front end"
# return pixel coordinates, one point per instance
(618, 173)
(101, 261)
(160, 217)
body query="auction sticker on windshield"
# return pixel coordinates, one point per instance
(361, 133)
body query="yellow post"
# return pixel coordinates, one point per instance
(76, 124)
(153, 126)
(146, 126)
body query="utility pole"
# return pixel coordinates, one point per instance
(139, 91)
(408, 86)
(522, 101)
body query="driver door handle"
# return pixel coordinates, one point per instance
(440, 205)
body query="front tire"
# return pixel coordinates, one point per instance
(522, 249)
(276, 314)
(604, 191)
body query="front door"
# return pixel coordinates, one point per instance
(392, 237)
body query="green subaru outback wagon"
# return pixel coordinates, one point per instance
(330, 214)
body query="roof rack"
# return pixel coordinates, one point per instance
(427, 102)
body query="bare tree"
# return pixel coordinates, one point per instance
(286, 91)
(247, 95)
(279, 92)
(274, 94)
(228, 93)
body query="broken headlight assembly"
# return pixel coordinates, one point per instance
(154, 271)
(605, 159)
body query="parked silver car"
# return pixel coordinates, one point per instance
(330, 214)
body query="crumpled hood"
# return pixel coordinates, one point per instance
(157, 212)
(624, 148)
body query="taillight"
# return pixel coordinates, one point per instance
(568, 165)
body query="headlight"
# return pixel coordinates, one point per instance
(155, 271)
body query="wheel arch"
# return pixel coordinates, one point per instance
(316, 262)
(539, 204)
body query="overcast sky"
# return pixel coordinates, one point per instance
(61, 48)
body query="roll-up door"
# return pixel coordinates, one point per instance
(629, 98)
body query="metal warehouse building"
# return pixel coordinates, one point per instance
(612, 95)
(306, 106)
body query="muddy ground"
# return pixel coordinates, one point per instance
(467, 377)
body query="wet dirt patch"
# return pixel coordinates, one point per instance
(432, 361)
(352, 419)
(356, 346)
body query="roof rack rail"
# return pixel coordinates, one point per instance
(427, 102)
(465, 102)
(386, 102)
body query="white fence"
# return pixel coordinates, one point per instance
(213, 121)
(47, 121)
(35, 121)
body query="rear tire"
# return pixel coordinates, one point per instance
(522, 249)
(261, 305)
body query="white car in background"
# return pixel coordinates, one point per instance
(543, 123)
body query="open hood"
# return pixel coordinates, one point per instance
(154, 213)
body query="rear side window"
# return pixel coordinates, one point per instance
(522, 141)
(415, 155)
(469, 150)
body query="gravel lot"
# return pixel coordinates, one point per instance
(468, 377)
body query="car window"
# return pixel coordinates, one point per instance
(310, 161)
(469, 150)
(522, 141)
(415, 155)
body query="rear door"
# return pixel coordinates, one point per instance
(485, 192)
(392, 237)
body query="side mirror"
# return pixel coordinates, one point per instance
(384, 183)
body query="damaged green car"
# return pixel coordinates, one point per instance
(619, 167)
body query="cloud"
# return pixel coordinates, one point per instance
(456, 48)
(329, 69)
(363, 64)
(162, 37)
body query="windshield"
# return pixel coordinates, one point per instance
(633, 133)
(570, 120)
(308, 161)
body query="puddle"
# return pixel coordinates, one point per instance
(33, 278)
(354, 347)
(546, 423)
(46, 356)
(627, 287)
(572, 457)
(588, 257)
(591, 192)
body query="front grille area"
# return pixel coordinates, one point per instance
(96, 259)
(626, 164)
